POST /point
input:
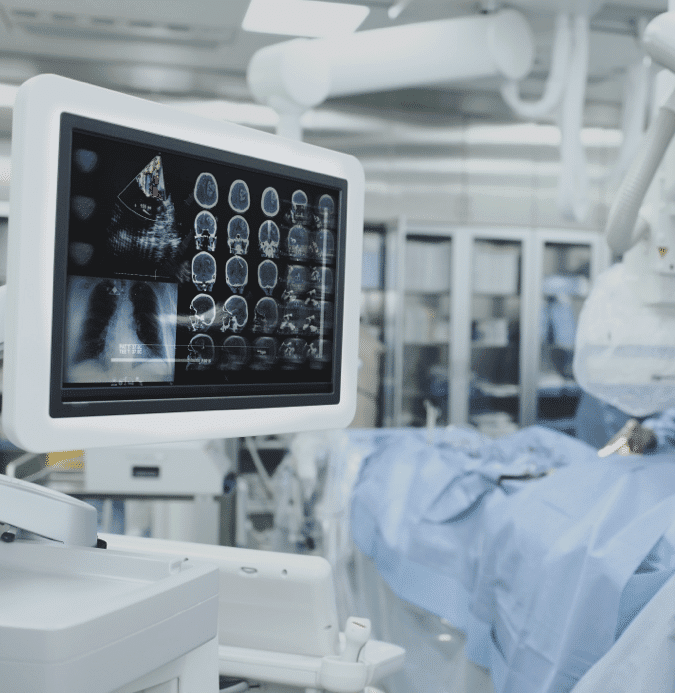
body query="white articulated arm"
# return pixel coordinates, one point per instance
(557, 79)
(623, 228)
(636, 101)
(305, 72)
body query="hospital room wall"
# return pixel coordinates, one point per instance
(480, 200)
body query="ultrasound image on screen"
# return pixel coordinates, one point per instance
(142, 231)
(185, 273)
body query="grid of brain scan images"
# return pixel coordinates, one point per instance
(186, 271)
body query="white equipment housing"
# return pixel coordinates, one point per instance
(306, 72)
(30, 373)
(164, 615)
(156, 470)
(625, 348)
(277, 619)
(76, 620)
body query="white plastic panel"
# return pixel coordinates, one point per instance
(27, 366)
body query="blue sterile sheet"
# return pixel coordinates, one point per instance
(539, 550)
(663, 426)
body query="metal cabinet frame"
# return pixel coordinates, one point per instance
(463, 238)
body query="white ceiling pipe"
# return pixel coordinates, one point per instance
(573, 191)
(307, 71)
(557, 78)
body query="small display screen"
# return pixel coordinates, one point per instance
(189, 278)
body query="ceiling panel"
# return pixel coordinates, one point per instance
(174, 48)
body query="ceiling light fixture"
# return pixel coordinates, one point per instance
(308, 18)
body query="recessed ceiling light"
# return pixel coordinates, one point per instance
(309, 18)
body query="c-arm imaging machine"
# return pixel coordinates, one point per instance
(624, 351)
(170, 278)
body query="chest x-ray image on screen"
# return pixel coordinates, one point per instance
(189, 278)
(119, 331)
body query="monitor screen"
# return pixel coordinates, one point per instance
(171, 277)
(186, 276)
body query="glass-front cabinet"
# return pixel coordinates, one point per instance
(567, 263)
(480, 324)
(496, 324)
(422, 328)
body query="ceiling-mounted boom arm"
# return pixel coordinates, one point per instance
(305, 72)
(623, 227)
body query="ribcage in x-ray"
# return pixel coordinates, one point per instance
(146, 317)
(100, 309)
(127, 331)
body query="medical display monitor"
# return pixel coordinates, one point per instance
(200, 276)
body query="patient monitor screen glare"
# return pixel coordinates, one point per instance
(191, 278)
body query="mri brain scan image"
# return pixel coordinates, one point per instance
(206, 228)
(297, 280)
(325, 313)
(201, 352)
(319, 318)
(321, 282)
(326, 206)
(204, 271)
(320, 353)
(236, 274)
(266, 316)
(235, 314)
(206, 191)
(268, 275)
(265, 352)
(270, 202)
(237, 235)
(297, 243)
(326, 217)
(240, 197)
(322, 246)
(294, 314)
(235, 353)
(268, 239)
(299, 207)
(294, 352)
(203, 312)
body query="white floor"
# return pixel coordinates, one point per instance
(435, 660)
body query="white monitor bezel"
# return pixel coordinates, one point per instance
(26, 414)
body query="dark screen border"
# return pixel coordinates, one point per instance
(107, 401)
